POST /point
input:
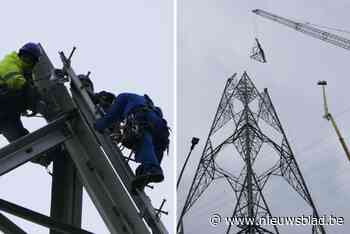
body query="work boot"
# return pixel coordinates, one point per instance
(154, 175)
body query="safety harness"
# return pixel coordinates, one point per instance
(131, 131)
(134, 127)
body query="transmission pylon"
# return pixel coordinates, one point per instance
(83, 157)
(250, 112)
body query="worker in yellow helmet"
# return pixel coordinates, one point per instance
(15, 81)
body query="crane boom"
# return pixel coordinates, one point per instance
(307, 29)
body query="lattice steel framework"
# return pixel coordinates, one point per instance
(248, 138)
(82, 157)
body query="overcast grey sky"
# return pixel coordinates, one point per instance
(214, 41)
(127, 45)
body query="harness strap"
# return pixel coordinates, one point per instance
(139, 109)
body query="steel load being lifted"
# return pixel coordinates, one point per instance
(307, 29)
(258, 53)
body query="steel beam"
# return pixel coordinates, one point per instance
(27, 147)
(51, 89)
(122, 168)
(67, 191)
(104, 187)
(38, 218)
(66, 195)
(115, 157)
(113, 204)
(8, 227)
(107, 186)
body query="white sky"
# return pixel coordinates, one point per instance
(215, 39)
(127, 45)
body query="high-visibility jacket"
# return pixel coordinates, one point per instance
(11, 72)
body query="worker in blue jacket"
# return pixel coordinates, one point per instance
(15, 78)
(155, 136)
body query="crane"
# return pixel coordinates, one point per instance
(307, 29)
(324, 36)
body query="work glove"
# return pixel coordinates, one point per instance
(59, 73)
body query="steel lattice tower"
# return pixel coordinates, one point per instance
(82, 157)
(243, 105)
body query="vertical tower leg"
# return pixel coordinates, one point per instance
(66, 197)
(8, 227)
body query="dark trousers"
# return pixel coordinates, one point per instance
(150, 151)
(146, 155)
(12, 128)
(12, 104)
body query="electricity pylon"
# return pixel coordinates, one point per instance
(83, 157)
(248, 111)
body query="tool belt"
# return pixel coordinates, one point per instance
(135, 126)
(130, 131)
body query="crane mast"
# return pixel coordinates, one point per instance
(307, 29)
(328, 116)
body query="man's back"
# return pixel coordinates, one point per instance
(127, 102)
